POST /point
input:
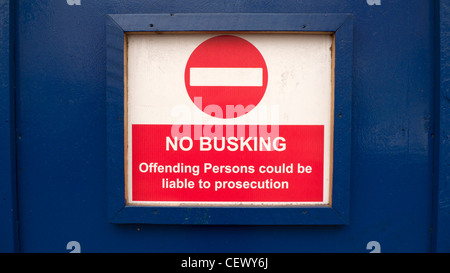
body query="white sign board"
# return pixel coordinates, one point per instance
(229, 120)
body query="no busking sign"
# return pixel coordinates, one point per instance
(229, 120)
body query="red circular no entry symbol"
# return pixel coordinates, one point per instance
(226, 76)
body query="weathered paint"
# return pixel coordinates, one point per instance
(442, 121)
(61, 132)
(8, 195)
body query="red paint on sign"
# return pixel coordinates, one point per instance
(226, 51)
(249, 173)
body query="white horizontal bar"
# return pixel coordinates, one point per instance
(225, 76)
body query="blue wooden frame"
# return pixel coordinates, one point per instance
(341, 25)
(441, 186)
(9, 235)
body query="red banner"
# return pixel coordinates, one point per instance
(227, 163)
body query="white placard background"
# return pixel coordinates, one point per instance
(299, 89)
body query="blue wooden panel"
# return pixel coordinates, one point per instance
(230, 22)
(442, 174)
(115, 117)
(8, 200)
(342, 27)
(61, 121)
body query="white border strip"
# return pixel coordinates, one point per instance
(225, 204)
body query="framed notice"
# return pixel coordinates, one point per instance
(215, 122)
